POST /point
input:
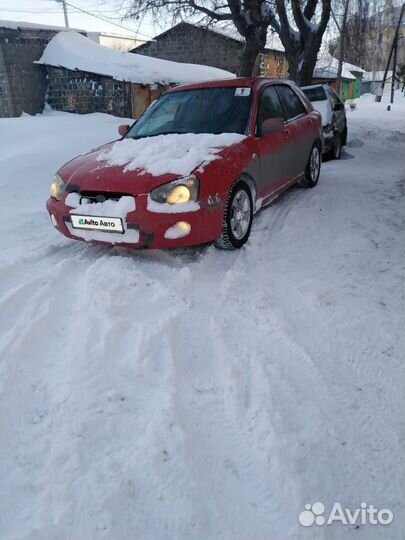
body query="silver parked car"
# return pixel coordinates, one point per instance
(325, 100)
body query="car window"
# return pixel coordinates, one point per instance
(292, 104)
(269, 106)
(333, 97)
(315, 94)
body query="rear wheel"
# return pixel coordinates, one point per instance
(313, 168)
(344, 136)
(238, 217)
(336, 150)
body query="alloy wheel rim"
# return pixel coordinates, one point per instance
(240, 214)
(314, 164)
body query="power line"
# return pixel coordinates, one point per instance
(107, 21)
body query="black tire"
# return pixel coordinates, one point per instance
(230, 238)
(344, 136)
(336, 150)
(311, 176)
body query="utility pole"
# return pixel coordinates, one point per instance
(65, 13)
(393, 47)
(394, 71)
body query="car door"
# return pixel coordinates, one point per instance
(338, 108)
(299, 128)
(274, 149)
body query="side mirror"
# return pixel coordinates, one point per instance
(271, 125)
(338, 107)
(123, 129)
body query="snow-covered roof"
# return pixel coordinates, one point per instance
(375, 76)
(75, 51)
(327, 68)
(29, 25)
(353, 67)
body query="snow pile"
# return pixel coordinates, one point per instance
(174, 153)
(75, 51)
(109, 208)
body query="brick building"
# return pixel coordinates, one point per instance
(186, 42)
(22, 83)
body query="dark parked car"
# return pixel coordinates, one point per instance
(328, 103)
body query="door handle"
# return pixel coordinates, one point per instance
(309, 121)
(287, 133)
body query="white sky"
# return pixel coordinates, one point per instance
(51, 12)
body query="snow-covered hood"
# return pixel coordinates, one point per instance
(137, 166)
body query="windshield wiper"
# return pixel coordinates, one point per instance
(172, 133)
(157, 134)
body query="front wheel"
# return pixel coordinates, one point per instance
(313, 168)
(238, 217)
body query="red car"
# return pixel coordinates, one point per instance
(194, 168)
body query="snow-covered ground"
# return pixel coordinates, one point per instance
(201, 394)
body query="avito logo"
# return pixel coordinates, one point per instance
(366, 514)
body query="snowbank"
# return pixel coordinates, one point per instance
(75, 51)
(174, 153)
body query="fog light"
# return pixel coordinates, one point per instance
(54, 222)
(181, 229)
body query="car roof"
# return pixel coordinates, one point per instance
(310, 86)
(237, 82)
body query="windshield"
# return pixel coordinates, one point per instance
(205, 110)
(315, 94)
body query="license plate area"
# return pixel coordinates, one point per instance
(97, 223)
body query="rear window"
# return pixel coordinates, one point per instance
(315, 94)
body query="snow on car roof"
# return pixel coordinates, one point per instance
(76, 52)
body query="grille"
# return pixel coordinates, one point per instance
(101, 196)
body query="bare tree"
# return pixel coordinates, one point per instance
(343, 31)
(299, 23)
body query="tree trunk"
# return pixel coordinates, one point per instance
(302, 59)
(308, 63)
(248, 57)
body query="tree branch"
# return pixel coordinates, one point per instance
(213, 14)
(326, 8)
(300, 20)
(309, 9)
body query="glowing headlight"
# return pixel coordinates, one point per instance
(177, 192)
(57, 188)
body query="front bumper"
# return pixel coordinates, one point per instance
(146, 229)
